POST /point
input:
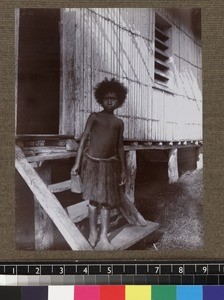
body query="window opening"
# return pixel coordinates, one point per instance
(162, 50)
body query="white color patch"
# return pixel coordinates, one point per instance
(61, 292)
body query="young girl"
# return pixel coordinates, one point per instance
(103, 163)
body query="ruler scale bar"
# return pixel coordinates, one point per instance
(117, 272)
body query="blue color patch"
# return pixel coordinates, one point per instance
(189, 292)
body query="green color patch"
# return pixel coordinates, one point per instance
(164, 292)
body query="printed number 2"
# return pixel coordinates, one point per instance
(37, 271)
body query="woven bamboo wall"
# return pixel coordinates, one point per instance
(99, 43)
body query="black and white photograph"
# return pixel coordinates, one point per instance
(108, 129)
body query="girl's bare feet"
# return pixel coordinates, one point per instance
(104, 244)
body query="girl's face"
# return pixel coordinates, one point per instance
(110, 101)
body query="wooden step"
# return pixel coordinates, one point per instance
(60, 186)
(53, 156)
(79, 211)
(128, 235)
(121, 238)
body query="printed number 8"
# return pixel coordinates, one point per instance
(181, 270)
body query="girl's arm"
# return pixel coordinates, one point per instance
(85, 136)
(121, 154)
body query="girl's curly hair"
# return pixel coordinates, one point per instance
(114, 86)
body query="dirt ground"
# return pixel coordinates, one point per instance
(177, 208)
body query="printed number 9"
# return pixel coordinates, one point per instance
(204, 269)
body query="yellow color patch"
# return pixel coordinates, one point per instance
(138, 292)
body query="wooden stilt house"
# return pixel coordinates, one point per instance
(61, 55)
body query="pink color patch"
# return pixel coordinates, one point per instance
(84, 292)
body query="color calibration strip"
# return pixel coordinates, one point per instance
(113, 292)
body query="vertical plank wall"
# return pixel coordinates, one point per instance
(101, 42)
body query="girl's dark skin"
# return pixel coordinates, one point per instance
(106, 140)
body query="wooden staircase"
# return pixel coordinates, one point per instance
(65, 219)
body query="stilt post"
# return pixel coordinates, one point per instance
(44, 236)
(173, 166)
(131, 165)
(199, 158)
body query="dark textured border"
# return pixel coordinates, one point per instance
(213, 74)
